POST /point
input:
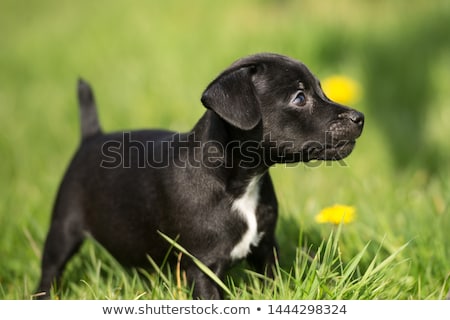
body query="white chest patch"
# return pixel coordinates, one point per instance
(245, 206)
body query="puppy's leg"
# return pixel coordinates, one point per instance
(204, 286)
(263, 257)
(63, 241)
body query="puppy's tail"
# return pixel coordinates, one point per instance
(90, 125)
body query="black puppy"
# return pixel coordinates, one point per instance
(209, 188)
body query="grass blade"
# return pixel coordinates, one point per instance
(198, 263)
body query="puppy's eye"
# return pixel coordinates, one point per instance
(299, 99)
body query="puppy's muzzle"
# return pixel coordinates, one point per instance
(340, 137)
(349, 126)
(357, 118)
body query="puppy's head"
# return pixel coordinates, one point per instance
(281, 95)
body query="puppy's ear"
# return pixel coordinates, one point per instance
(232, 96)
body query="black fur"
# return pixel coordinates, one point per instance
(123, 187)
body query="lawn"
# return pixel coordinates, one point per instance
(149, 63)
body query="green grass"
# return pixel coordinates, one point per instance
(149, 62)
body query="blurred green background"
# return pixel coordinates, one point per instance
(149, 62)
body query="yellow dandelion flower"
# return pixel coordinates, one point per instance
(336, 214)
(341, 89)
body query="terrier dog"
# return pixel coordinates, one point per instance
(209, 188)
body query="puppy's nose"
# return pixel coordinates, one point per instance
(354, 116)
